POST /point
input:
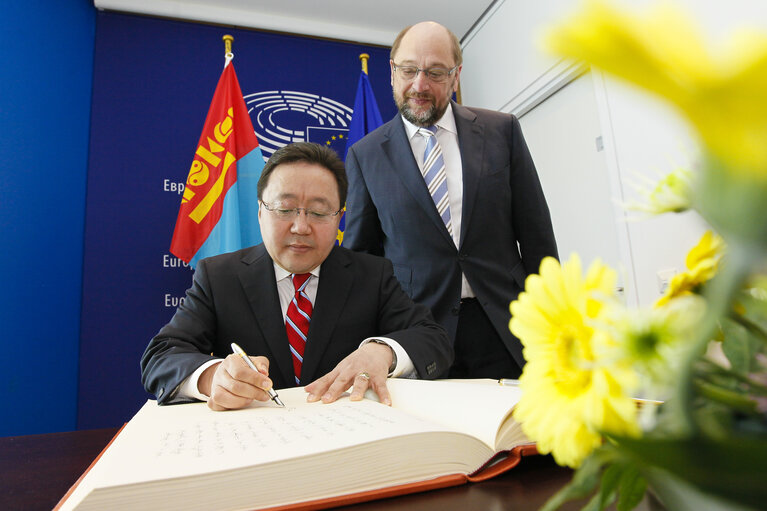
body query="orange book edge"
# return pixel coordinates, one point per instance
(79, 479)
(498, 464)
(501, 462)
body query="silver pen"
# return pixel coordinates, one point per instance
(508, 383)
(241, 353)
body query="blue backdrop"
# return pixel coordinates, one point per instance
(45, 96)
(153, 82)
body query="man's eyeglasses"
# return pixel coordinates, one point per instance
(283, 212)
(434, 74)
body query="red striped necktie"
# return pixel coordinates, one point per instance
(297, 321)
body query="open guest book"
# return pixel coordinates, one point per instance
(307, 455)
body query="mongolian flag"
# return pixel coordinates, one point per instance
(365, 118)
(219, 209)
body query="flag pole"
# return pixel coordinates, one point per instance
(228, 39)
(364, 60)
(228, 55)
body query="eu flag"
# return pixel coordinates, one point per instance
(366, 116)
(365, 119)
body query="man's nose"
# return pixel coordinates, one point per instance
(300, 223)
(420, 82)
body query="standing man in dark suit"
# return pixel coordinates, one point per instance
(451, 196)
(361, 325)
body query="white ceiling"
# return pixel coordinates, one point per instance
(364, 21)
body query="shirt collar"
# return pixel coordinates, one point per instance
(446, 122)
(281, 273)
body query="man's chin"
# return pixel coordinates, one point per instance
(299, 259)
(422, 118)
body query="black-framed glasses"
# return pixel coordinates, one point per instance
(434, 74)
(283, 212)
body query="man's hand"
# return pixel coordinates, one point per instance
(372, 360)
(232, 384)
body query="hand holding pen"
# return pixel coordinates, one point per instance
(241, 353)
(237, 381)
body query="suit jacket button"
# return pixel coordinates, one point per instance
(461, 257)
(455, 311)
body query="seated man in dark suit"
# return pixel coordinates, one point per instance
(310, 311)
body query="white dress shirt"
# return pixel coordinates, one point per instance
(286, 291)
(447, 136)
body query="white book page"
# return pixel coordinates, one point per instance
(163, 442)
(476, 407)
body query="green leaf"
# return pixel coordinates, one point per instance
(594, 504)
(737, 346)
(676, 494)
(631, 489)
(607, 489)
(715, 419)
(582, 484)
(734, 468)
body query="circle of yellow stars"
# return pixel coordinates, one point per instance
(340, 235)
(334, 137)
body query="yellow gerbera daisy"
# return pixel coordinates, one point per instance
(671, 194)
(573, 385)
(654, 340)
(723, 95)
(702, 263)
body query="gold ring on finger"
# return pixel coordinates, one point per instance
(364, 375)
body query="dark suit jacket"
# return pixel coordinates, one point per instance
(234, 298)
(505, 227)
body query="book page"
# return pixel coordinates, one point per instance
(164, 442)
(240, 458)
(476, 407)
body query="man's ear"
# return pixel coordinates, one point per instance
(457, 78)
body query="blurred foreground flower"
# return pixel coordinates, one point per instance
(653, 340)
(669, 195)
(723, 95)
(702, 263)
(708, 446)
(573, 386)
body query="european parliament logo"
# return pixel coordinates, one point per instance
(283, 117)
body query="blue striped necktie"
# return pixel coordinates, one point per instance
(433, 171)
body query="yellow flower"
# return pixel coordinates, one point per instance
(702, 263)
(653, 340)
(757, 288)
(572, 387)
(669, 195)
(723, 95)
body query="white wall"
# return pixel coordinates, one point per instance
(574, 175)
(504, 69)
(501, 61)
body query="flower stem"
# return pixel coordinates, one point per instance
(734, 400)
(719, 294)
(751, 326)
(716, 369)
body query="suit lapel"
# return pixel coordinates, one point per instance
(260, 286)
(334, 287)
(472, 145)
(396, 146)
